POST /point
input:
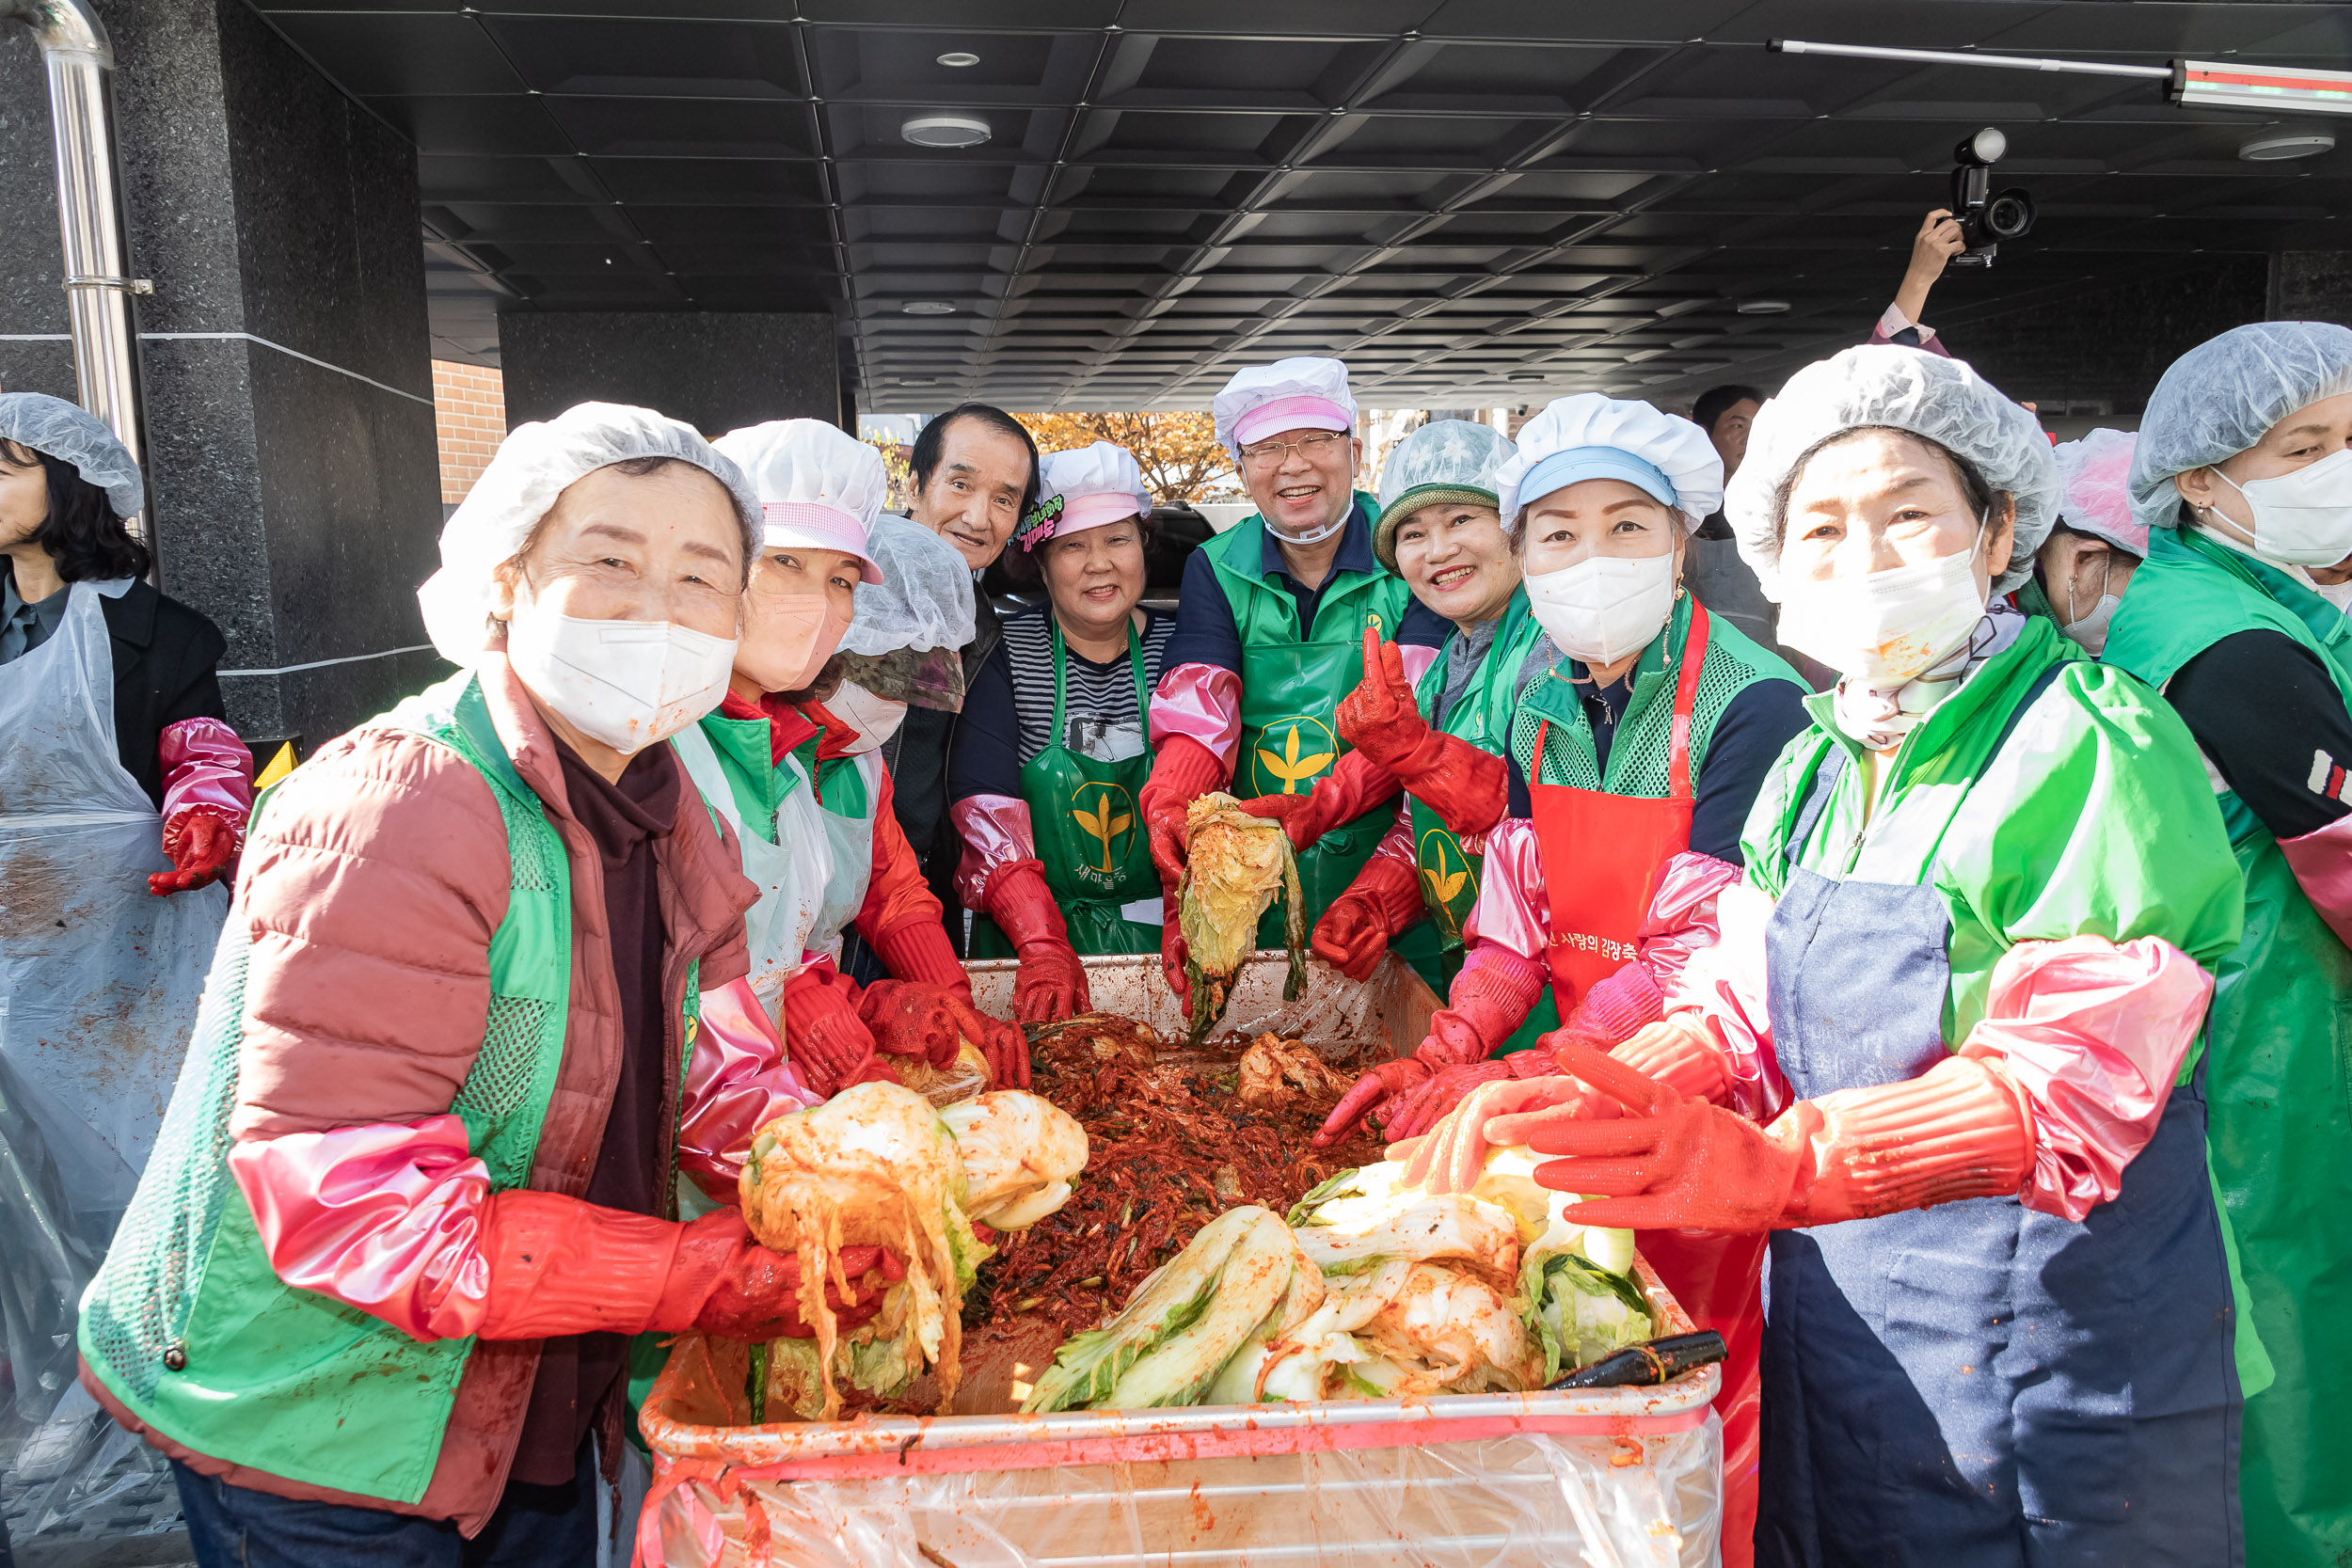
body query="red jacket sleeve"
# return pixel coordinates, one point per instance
(897, 893)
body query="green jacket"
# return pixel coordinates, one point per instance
(2279, 1084)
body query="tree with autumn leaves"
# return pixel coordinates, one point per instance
(1178, 451)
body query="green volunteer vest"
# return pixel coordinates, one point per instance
(1637, 754)
(1292, 681)
(2279, 1071)
(186, 1322)
(1451, 875)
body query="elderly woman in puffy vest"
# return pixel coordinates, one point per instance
(418, 1182)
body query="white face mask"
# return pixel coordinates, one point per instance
(1886, 628)
(1605, 608)
(2337, 593)
(875, 718)
(2303, 519)
(2090, 632)
(627, 684)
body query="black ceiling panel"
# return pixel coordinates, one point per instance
(1481, 199)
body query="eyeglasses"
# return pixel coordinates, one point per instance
(1315, 447)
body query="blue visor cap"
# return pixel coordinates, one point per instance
(1563, 468)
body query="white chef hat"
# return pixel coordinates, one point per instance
(820, 487)
(1078, 490)
(1303, 393)
(1592, 436)
(531, 469)
(1938, 399)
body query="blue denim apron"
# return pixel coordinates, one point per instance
(1980, 1384)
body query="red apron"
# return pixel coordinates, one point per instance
(1602, 856)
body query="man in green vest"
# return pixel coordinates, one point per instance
(2243, 481)
(1270, 626)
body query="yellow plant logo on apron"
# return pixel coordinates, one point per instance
(1297, 762)
(1106, 815)
(1445, 872)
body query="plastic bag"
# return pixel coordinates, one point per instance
(1530, 1499)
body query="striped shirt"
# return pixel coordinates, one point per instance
(1007, 715)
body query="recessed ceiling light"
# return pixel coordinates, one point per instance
(2300, 144)
(928, 307)
(959, 58)
(1762, 307)
(945, 131)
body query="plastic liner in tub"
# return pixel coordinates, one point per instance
(1389, 1013)
(1615, 1477)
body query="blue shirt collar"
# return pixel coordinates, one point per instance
(1355, 547)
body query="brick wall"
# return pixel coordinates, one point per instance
(470, 408)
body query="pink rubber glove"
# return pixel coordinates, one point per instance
(1490, 998)
(1621, 1006)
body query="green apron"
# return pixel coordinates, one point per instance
(1292, 678)
(1089, 835)
(2279, 1075)
(1451, 875)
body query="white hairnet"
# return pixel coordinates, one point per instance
(1301, 393)
(2223, 396)
(1445, 460)
(1938, 399)
(924, 599)
(531, 469)
(1678, 450)
(71, 433)
(2094, 489)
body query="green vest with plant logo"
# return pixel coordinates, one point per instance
(186, 1322)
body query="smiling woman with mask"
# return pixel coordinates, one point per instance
(2243, 481)
(824, 844)
(1050, 755)
(1640, 753)
(1944, 1054)
(439, 1095)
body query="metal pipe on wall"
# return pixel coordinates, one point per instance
(80, 60)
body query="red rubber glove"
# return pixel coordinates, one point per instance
(1382, 717)
(1182, 772)
(1051, 983)
(1488, 1002)
(1355, 785)
(1374, 1089)
(201, 843)
(1621, 1006)
(1957, 1130)
(824, 1035)
(1383, 900)
(1173, 953)
(1005, 1045)
(753, 1293)
(1420, 1111)
(1453, 1154)
(1468, 787)
(913, 1017)
(557, 1266)
(1681, 1054)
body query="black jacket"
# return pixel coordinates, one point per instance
(167, 664)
